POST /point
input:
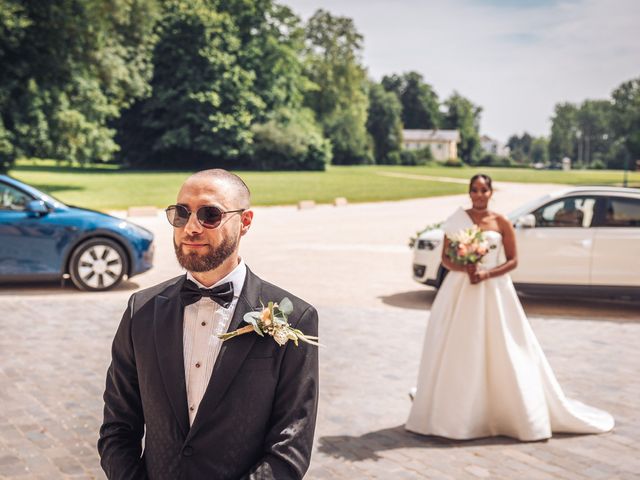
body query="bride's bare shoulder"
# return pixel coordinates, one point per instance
(503, 222)
(499, 217)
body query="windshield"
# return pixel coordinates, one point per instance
(51, 200)
(35, 193)
(527, 207)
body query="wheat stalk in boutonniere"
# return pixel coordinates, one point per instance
(272, 320)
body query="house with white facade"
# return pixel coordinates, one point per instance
(442, 143)
(493, 146)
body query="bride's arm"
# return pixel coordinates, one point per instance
(510, 252)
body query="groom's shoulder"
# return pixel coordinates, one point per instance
(142, 297)
(271, 292)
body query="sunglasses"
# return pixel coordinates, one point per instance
(209, 216)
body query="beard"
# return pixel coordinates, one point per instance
(210, 260)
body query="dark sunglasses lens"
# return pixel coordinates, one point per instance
(209, 217)
(177, 215)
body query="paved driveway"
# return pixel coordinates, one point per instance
(353, 264)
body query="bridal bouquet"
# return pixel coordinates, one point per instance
(468, 246)
(272, 320)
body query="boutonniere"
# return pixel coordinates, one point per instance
(272, 320)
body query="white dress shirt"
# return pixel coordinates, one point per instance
(203, 320)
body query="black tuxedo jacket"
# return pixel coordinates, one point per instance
(256, 419)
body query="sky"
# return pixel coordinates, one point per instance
(515, 59)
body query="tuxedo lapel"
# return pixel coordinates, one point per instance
(168, 333)
(232, 353)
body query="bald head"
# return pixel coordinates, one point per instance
(235, 188)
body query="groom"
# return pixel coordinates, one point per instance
(244, 408)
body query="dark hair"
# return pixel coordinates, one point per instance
(486, 178)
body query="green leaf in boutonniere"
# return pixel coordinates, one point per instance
(272, 320)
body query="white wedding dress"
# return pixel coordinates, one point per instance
(483, 372)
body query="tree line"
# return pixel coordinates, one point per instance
(177, 83)
(593, 134)
(243, 84)
(599, 133)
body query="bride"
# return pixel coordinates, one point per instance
(482, 371)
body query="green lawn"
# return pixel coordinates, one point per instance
(527, 175)
(106, 188)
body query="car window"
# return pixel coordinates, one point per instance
(622, 212)
(526, 208)
(12, 199)
(574, 212)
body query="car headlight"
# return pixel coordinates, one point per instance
(147, 256)
(428, 244)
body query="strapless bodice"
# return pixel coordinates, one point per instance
(493, 258)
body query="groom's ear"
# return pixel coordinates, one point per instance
(245, 219)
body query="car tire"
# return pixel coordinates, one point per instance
(98, 264)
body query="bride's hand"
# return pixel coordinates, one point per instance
(481, 275)
(471, 270)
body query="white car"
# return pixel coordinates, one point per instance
(583, 240)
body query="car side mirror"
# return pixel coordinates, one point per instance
(37, 208)
(526, 221)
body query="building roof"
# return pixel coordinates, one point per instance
(430, 135)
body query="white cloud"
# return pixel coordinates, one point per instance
(516, 62)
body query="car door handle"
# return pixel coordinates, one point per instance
(585, 243)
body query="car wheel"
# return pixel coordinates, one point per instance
(98, 264)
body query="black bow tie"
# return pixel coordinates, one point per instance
(222, 294)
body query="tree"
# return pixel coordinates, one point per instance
(384, 123)
(289, 140)
(539, 152)
(203, 103)
(599, 132)
(339, 97)
(271, 46)
(626, 117)
(594, 131)
(526, 149)
(69, 67)
(464, 116)
(14, 21)
(221, 69)
(563, 132)
(420, 106)
(583, 133)
(520, 147)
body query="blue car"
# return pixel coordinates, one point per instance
(43, 239)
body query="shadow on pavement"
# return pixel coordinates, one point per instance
(367, 446)
(414, 300)
(55, 288)
(574, 308)
(570, 308)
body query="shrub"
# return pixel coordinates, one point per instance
(392, 158)
(491, 160)
(289, 141)
(454, 162)
(413, 157)
(409, 157)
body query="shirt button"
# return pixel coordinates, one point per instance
(197, 364)
(191, 408)
(203, 323)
